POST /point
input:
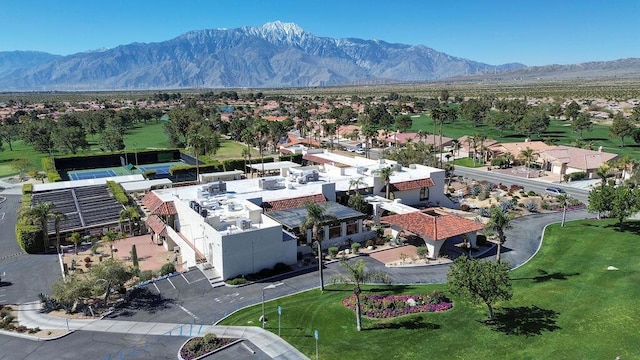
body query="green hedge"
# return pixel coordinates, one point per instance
(28, 235)
(27, 188)
(150, 174)
(49, 167)
(182, 170)
(296, 158)
(118, 192)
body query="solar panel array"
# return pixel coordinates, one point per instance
(85, 207)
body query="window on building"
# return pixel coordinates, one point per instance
(335, 231)
(352, 227)
(424, 193)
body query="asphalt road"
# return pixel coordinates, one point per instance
(24, 276)
(92, 345)
(528, 184)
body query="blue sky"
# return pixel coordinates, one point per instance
(531, 32)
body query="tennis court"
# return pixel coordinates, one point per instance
(160, 169)
(91, 174)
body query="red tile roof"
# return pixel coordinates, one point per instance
(292, 203)
(157, 225)
(151, 201)
(316, 159)
(433, 225)
(166, 208)
(409, 185)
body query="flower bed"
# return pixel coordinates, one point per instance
(200, 346)
(381, 307)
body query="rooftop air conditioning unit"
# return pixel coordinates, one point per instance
(243, 224)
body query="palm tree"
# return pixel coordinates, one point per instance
(197, 141)
(455, 146)
(245, 153)
(261, 131)
(368, 132)
(527, 154)
(129, 213)
(603, 172)
(499, 221)
(110, 237)
(355, 184)
(76, 239)
(58, 217)
(40, 214)
(385, 176)
(248, 137)
(316, 218)
(357, 274)
(563, 200)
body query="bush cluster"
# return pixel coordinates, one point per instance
(575, 176)
(199, 346)
(118, 192)
(380, 306)
(49, 167)
(278, 269)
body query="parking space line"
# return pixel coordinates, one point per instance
(169, 280)
(156, 286)
(185, 279)
(195, 281)
(188, 312)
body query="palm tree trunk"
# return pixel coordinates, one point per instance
(197, 168)
(499, 251)
(564, 214)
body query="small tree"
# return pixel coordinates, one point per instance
(357, 274)
(480, 281)
(110, 238)
(76, 239)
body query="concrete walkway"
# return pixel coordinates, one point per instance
(268, 342)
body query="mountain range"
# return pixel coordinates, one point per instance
(273, 55)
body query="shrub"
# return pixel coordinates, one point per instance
(503, 187)
(515, 187)
(532, 193)
(380, 241)
(49, 167)
(545, 205)
(150, 174)
(484, 212)
(483, 195)
(575, 176)
(145, 275)
(476, 190)
(369, 243)
(488, 187)
(355, 247)
(167, 269)
(87, 259)
(237, 281)
(531, 206)
(21, 328)
(465, 207)
(281, 268)
(333, 251)
(574, 202)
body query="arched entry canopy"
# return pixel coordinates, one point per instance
(434, 227)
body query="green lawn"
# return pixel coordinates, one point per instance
(20, 150)
(145, 136)
(466, 162)
(230, 149)
(566, 305)
(558, 129)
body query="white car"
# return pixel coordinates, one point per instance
(555, 191)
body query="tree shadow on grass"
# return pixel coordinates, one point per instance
(143, 299)
(389, 290)
(627, 226)
(546, 276)
(524, 320)
(413, 323)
